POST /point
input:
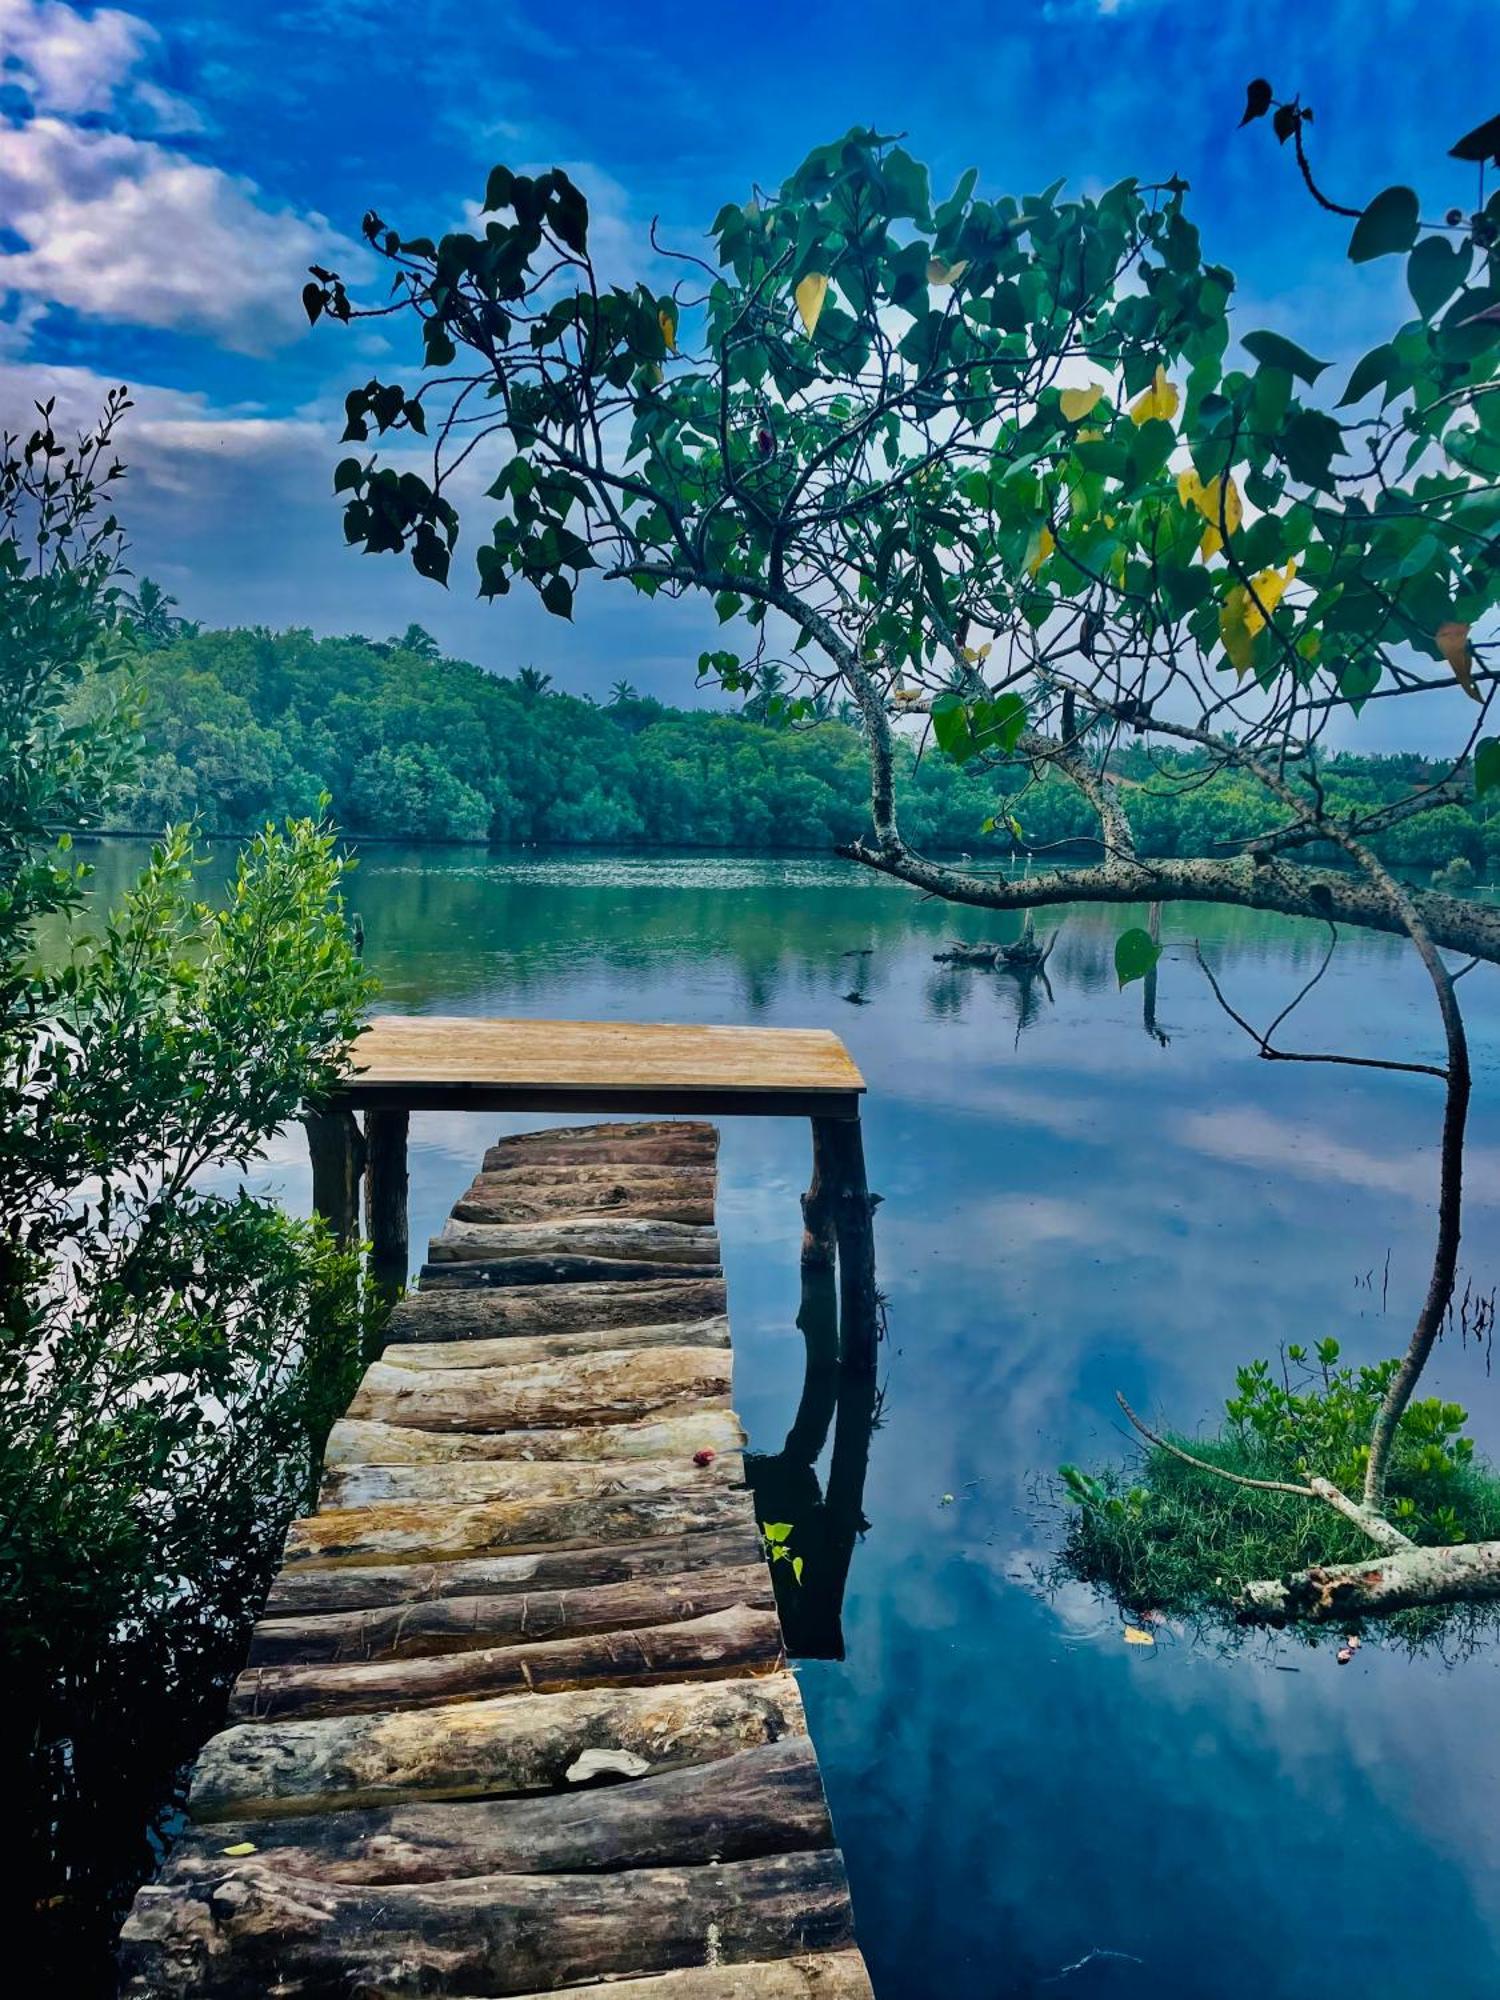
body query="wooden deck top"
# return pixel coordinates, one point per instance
(517, 1719)
(429, 1062)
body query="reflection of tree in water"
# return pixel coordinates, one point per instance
(825, 1521)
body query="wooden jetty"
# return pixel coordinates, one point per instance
(517, 1718)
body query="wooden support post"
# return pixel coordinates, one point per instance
(385, 1200)
(839, 1168)
(819, 1237)
(337, 1149)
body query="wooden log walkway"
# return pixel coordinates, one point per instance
(517, 1718)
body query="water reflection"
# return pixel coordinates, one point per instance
(810, 1527)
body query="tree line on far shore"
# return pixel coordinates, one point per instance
(248, 724)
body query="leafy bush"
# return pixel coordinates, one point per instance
(172, 1351)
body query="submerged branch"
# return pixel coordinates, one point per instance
(1468, 1573)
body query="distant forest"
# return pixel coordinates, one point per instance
(244, 725)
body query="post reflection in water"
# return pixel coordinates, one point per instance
(811, 1529)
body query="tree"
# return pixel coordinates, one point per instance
(1005, 470)
(417, 639)
(152, 617)
(165, 1379)
(621, 691)
(533, 683)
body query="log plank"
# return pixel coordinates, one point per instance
(721, 1645)
(514, 1744)
(247, 1930)
(539, 1309)
(524, 1351)
(310, 1592)
(555, 1270)
(619, 1238)
(474, 1482)
(467, 1624)
(357, 1442)
(583, 1389)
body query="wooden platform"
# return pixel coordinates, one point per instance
(427, 1062)
(517, 1718)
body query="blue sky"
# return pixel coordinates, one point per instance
(168, 170)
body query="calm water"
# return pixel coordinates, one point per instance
(1028, 1806)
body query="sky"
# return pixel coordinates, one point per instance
(168, 171)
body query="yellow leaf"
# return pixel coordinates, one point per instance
(240, 1847)
(1211, 543)
(1453, 643)
(667, 321)
(1190, 488)
(1159, 401)
(1237, 630)
(1076, 403)
(1089, 436)
(810, 295)
(1038, 549)
(939, 273)
(1135, 1635)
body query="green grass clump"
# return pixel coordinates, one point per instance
(1166, 1536)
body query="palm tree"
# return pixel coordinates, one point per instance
(622, 691)
(532, 684)
(416, 639)
(153, 618)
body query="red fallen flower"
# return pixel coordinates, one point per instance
(705, 1457)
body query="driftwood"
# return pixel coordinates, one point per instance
(1025, 955)
(308, 1592)
(516, 1744)
(355, 1442)
(766, 1800)
(437, 1531)
(250, 1930)
(553, 1309)
(586, 1389)
(524, 1351)
(472, 1482)
(468, 1624)
(723, 1645)
(621, 1238)
(1399, 1580)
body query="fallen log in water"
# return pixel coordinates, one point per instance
(1401, 1580)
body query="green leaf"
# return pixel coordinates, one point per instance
(557, 595)
(1273, 350)
(1486, 765)
(1388, 225)
(1135, 955)
(1434, 272)
(1369, 373)
(776, 1531)
(347, 475)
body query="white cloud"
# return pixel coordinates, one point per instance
(125, 229)
(70, 62)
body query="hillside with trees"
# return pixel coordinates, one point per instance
(244, 725)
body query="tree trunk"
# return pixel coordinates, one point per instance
(385, 1200)
(1468, 1573)
(337, 1150)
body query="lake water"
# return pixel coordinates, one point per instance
(1028, 1806)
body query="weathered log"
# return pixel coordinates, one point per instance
(517, 1744)
(1462, 1573)
(248, 1930)
(309, 1592)
(543, 1309)
(336, 1146)
(599, 1136)
(668, 1194)
(621, 1238)
(663, 1142)
(469, 1624)
(436, 1532)
(521, 1351)
(357, 1443)
(767, 1800)
(555, 1270)
(348, 1486)
(833, 1975)
(585, 1389)
(721, 1645)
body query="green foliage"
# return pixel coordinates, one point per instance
(1135, 955)
(172, 1351)
(1171, 1537)
(870, 413)
(241, 725)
